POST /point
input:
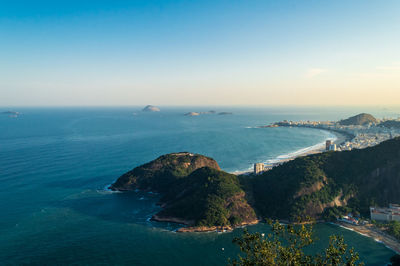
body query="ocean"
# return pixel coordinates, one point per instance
(56, 163)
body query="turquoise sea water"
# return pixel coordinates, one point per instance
(56, 162)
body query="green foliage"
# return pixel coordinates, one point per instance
(333, 213)
(395, 260)
(394, 229)
(285, 246)
(358, 177)
(303, 187)
(210, 198)
(161, 173)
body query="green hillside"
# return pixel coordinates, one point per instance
(195, 192)
(308, 185)
(159, 174)
(208, 197)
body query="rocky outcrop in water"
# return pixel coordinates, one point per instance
(151, 108)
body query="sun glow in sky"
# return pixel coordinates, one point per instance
(199, 52)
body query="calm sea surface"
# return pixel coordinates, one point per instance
(56, 162)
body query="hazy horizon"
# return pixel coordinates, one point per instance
(207, 53)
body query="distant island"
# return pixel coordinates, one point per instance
(207, 113)
(151, 108)
(192, 114)
(225, 113)
(11, 113)
(194, 191)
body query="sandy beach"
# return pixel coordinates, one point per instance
(318, 148)
(375, 233)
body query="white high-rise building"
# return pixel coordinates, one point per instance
(258, 168)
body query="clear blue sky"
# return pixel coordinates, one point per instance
(199, 52)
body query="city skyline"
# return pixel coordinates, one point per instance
(199, 53)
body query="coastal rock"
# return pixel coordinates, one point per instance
(10, 113)
(151, 108)
(200, 113)
(192, 114)
(225, 113)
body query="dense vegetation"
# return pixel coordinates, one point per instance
(159, 174)
(308, 185)
(395, 260)
(208, 197)
(392, 228)
(285, 246)
(325, 185)
(358, 120)
(193, 190)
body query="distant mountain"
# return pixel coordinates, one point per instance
(151, 108)
(390, 124)
(358, 120)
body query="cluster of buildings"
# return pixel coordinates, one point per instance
(363, 135)
(359, 136)
(386, 214)
(349, 218)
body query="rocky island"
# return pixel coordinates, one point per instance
(211, 112)
(151, 108)
(192, 114)
(196, 192)
(11, 113)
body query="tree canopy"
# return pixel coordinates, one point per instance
(286, 244)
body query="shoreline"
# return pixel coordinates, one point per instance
(339, 137)
(371, 231)
(188, 228)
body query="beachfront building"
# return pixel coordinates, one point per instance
(328, 144)
(258, 168)
(349, 218)
(332, 147)
(386, 214)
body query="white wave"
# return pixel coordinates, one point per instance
(107, 190)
